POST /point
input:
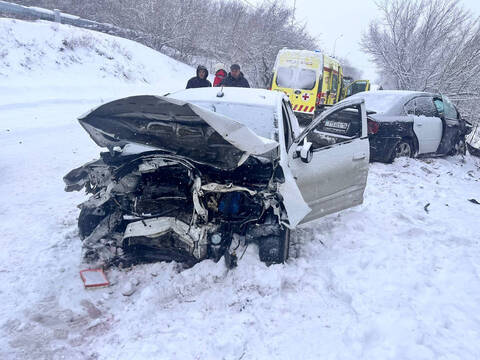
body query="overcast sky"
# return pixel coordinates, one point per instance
(339, 25)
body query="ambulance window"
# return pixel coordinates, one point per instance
(335, 83)
(306, 79)
(285, 77)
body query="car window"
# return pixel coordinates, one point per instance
(439, 105)
(410, 107)
(341, 126)
(450, 110)
(424, 106)
(287, 128)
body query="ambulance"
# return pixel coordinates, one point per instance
(310, 79)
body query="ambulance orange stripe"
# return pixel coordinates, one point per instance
(300, 108)
(295, 107)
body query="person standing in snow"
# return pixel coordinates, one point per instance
(200, 80)
(235, 78)
(220, 74)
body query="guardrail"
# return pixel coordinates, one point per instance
(57, 16)
(50, 15)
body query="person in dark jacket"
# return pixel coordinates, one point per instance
(235, 78)
(200, 80)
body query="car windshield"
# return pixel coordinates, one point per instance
(259, 119)
(296, 78)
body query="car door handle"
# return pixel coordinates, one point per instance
(359, 156)
(419, 125)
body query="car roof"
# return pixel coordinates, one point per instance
(244, 96)
(388, 101)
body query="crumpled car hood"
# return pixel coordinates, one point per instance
(176, 127)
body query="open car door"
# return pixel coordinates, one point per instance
(329, 160)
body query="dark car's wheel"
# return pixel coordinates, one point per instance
(403, 148)
(460, 148)
(273, 249)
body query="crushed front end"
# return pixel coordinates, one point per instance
(151, 206)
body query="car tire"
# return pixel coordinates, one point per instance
(274, 249)
(460, 147)
(404, 148)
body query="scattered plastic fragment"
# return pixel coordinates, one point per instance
(94, 278)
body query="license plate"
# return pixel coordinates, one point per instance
(336, 125)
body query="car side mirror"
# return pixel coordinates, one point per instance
(305, 151)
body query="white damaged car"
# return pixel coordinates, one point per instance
(202, 173)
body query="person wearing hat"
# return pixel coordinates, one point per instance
(235, 78)
(200, 80)
(220, 74)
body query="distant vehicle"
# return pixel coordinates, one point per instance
(351, 87)
(312, 80)
(411, 123)
(189, 175)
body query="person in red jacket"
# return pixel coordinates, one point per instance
(220, 74)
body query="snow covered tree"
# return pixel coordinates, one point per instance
(428, 45)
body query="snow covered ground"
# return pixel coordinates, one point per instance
(390, 279)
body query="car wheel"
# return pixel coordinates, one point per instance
(274, 249)
(403, 148)
(461, 147)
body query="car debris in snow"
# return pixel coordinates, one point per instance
(94, 278)
(426, 207)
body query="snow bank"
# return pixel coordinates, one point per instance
(49, 62)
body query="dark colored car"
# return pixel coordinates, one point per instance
(412, 123)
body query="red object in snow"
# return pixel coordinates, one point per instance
(94, 278)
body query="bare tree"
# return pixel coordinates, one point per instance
(428, 45)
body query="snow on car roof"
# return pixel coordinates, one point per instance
(384, 101)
